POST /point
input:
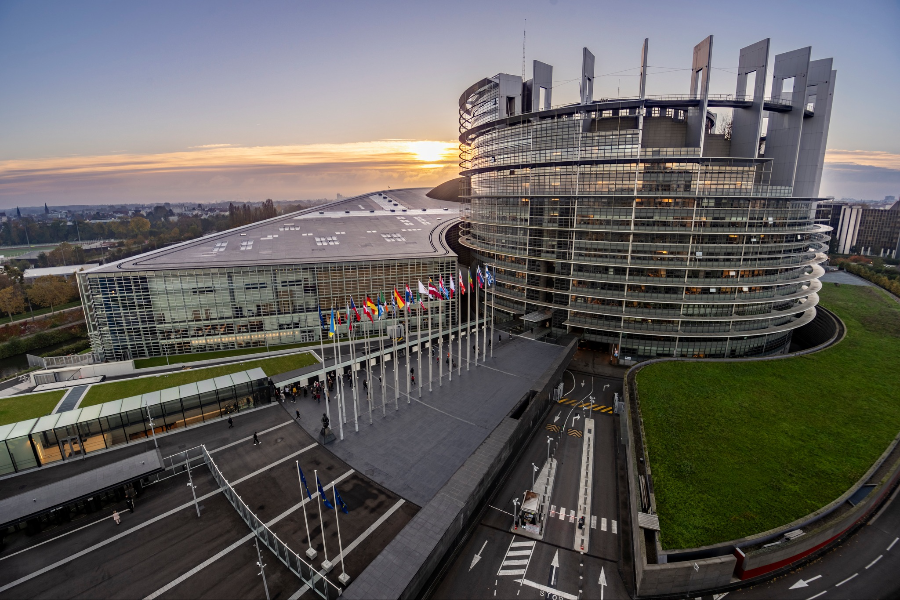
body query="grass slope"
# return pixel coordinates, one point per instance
(161, 361)
(740, 448)
(22, 408)
(106, 392)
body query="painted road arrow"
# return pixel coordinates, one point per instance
(602, 582)
(803, 584)
(477, 557)
(554, 570)
(556, 418)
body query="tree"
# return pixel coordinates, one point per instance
(11, 301)
(140, 225)
(50, 290)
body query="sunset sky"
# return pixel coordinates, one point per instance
(109, 102)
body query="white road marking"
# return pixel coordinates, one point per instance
(874, 561)
(846, 580)
(515, 563)
(516, 549)
(892, 544)
(516, 572)
(522, 544)
(549, 591)
(147, 523)
(817, 595)
(603, 524)
(53, 539)
(804, 583)
(553, 512)
(614, 527)
(593, 521)
(518, 552)
(247, 538)
(562, 514)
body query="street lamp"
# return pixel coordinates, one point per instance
(534, 470)
(515, 513)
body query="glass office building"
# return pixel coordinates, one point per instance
(74, 433)
(261, 285)
(632, 223)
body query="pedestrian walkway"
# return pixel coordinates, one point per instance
(517, 557)
(72, 398)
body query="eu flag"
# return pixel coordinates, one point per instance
(303, 480)
(322, 494)
(340, 501)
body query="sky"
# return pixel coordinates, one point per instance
(203, 101)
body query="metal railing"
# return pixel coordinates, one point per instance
(299, 567)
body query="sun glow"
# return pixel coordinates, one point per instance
(433, 152)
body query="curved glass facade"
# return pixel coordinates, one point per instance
(601, 216)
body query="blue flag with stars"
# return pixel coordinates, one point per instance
(340, 501)
(303, 481)
(322, 494)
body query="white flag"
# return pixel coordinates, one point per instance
(422, 289)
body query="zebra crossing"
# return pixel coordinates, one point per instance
(564, 514)
(589, 405)
(517, 557)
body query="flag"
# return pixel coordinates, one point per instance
(349, 319)
(421, 303)
(368, 312)
(353, 306)
(303, 481)
(479, 277)
(380, 308)
(340, 501)
(452, 286)
(462, 284)
(442, 289)
(322, 494)
(408, 296)
(371, 304)
(471, 284)
(433, 291)
(398, 299)
(332, 329)
(422, 289)
(322, 318)
(488, 276)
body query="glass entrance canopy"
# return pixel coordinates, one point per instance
(75, 433)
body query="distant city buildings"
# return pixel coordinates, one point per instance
(860, 229)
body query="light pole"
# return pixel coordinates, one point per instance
(187, 460)
(152, 428)
(534, 470)
(549, 439)
(262, 567)
(515, 513)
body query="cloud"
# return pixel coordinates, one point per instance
(865, 158)
(226, 172)
(212, 146)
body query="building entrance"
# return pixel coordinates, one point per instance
(70, 447)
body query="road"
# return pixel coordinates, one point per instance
(496, 562)
(867, 565)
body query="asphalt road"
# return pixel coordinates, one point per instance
(165, 547)
(552, 567)
(867, 565)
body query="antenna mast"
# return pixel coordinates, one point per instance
(524, 28)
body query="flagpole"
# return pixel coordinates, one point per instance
(419, 342)
(430, 341)
(344, 578)
(353, 375)
(381, 343)
(337, 385)
(310, 552)
(459, 329)
(369, 392)
(468, 319)
(477, 286)
(396, 359)
(339, 381)
(449, 340)
(408, 401)
(321, 523)
(484, 340)
(493, 302)
(322, 350)
(441, 339)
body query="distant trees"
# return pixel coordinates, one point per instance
(11, 301)
(245, 214)
(51, 290)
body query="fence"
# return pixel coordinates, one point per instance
(307, 573)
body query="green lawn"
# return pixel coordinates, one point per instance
(105, 392)
(159, 361)
(22, 408)
(740, 448)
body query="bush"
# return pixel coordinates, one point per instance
(19, 345)
(75, 348)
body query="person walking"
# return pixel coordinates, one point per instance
(256, 441)
(116, 517)
(230, 422)
(298, 415)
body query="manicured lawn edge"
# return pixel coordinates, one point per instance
(740, 448)
(28, 406)
(161, 361)
(116, 390)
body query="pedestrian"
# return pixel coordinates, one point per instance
(230, 422)
(366, 384)
(318, 398)
(298, 415)
(499, 337)
(116, 517)
(130, 504)
(413, 377)
(256, 441)
(489, 343)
